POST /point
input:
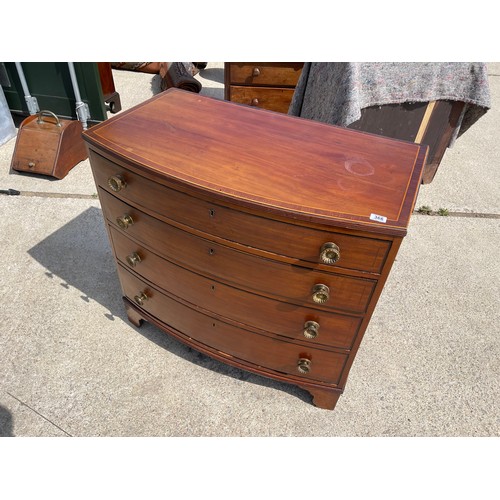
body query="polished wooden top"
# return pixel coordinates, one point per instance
(281, 164)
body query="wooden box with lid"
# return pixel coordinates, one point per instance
(260, 239)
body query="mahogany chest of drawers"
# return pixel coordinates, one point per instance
(266, 85)
(260, 239)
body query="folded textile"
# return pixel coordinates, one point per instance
(175, 74)
(336, 92)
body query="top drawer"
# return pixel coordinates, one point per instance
(275, 74)
(280, 238)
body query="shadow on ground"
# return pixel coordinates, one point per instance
(5, 422)
(79, 254)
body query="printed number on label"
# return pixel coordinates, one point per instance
(378, 218)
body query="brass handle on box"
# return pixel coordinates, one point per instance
(116, 183)
(47, 113)
(329, 253)
(304, 365)
(124, 221)
(133, 259)
(311, 329)
(321, 293)
(140, 298)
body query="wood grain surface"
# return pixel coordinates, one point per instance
(283, 164)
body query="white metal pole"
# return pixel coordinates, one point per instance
(82, 109)
(30, 100)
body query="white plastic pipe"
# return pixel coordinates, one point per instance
(82, 109)
(30, 100)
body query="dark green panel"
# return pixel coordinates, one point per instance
(50, 83)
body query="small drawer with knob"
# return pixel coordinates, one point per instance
(234, 342)
(273, 74)
(271, 98)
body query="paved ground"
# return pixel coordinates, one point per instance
(72, 365)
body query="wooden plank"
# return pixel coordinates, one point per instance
(425, 121)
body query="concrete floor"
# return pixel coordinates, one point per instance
(72, 365)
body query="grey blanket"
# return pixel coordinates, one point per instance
(336, 92)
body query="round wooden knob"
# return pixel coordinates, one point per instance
(124, 221)
(320, 293)
(116, 183)
(256, 72)
(329, 253)
(133, 259)
(311, 329)
(304, 365)
(140, 298)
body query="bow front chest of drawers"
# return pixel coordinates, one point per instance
(260, 239)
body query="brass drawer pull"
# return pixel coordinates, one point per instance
(255, 102)
(256, 72)
(311, 329)
(140, 298)
(124, 221)
(304, 365)
(116, 183)
(133, 259)
(321, 293)
(329, 253)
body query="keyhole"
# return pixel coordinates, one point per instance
(212, 212)
(211, 251)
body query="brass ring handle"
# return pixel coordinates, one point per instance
(329, 253)
(256, 72)
(304, 365)
(133, 259)
(46, 112)
(255, 102)
(140, 298)
(311, 329)
(124, 221)
(321, 293)
(116, 183)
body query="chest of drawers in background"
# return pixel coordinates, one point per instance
(266, 85)
(260, 239)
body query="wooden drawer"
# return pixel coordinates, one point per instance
(268, 352)
(281, 318)
(295, 242)
(275, 74)
(257, 274)
(271, 98)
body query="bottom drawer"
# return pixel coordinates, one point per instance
(267, 352)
